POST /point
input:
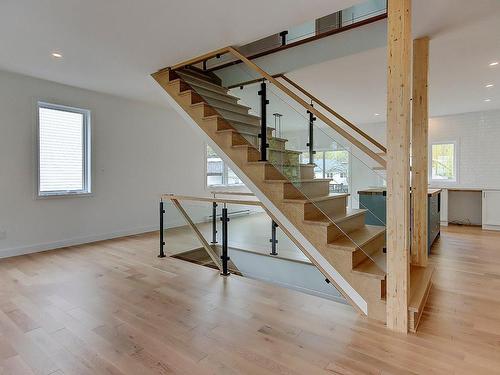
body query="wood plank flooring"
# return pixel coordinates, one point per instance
(114, 308)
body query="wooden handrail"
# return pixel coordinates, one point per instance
(201, 58)
(173, 197)
(248, 194)
(331, 111)
(379, 159)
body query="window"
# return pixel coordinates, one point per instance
(333, 165)
(218, 173)
(63, 150)
(443, 162)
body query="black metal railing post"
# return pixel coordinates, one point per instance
(283, 35)
(214, 222)
(273, 239)
(162, 241)
(263, 121)
(224, 257)
(310, 144)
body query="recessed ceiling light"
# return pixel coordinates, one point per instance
(487, 100)
(57, 55)
(376, 114)
(489, 85)
(494, 63)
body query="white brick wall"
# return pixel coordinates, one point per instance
(478, 137)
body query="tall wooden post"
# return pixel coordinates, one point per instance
(420, 147)
(398, 164)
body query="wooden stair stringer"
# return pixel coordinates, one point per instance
(340, 262)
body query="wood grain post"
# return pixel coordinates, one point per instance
(398, 165)
(420, 147)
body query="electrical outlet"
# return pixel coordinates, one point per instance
(3, 234)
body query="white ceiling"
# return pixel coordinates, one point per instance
(113, 46)
(465, 38)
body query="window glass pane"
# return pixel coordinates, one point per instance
(232, 179)
(61, 151)
(216, 170)
(318, 161)
(443, 162)
(337, 169)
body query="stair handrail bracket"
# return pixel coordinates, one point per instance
(235, 52)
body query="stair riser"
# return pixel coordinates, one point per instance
(374, 246)
(277, 143)
(345, 227)
(279, 172)
(307, 172)
(202, 110)
(308, 189)
(330, 207)
(279, 158)
(179, 86)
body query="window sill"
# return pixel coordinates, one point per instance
(62, 195)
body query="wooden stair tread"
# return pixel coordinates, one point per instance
(358, 238)
(228, 115)
(211, 103)
(301, 181)
(222, 97)
(371, 266)
(209, 118)
(276, 164)
(189, 79)
(331, 220)
(198, 74)
(420, 278)
(242, 133)
(316, 199)
(284, 151)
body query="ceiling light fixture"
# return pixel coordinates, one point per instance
(487, 100)
(57, 55)
(377, 114)
(494, 63)
(489, 85)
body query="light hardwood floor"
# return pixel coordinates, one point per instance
(114, 308)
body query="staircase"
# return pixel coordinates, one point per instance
(338, 233)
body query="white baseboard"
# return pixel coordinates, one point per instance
(444, 223)
(36, 248)
(491, 227)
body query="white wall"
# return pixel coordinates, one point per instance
(477, 135)
(139, 152)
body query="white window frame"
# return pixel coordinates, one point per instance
(87, 151)
(224, 174)
(455, 163)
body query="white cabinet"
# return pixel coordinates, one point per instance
(491, 209)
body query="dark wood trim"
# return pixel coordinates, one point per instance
(306, 40)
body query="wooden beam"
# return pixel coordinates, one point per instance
(398, 165)
(420, 147)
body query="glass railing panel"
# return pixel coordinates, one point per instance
(188, 232)
(333, 160)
